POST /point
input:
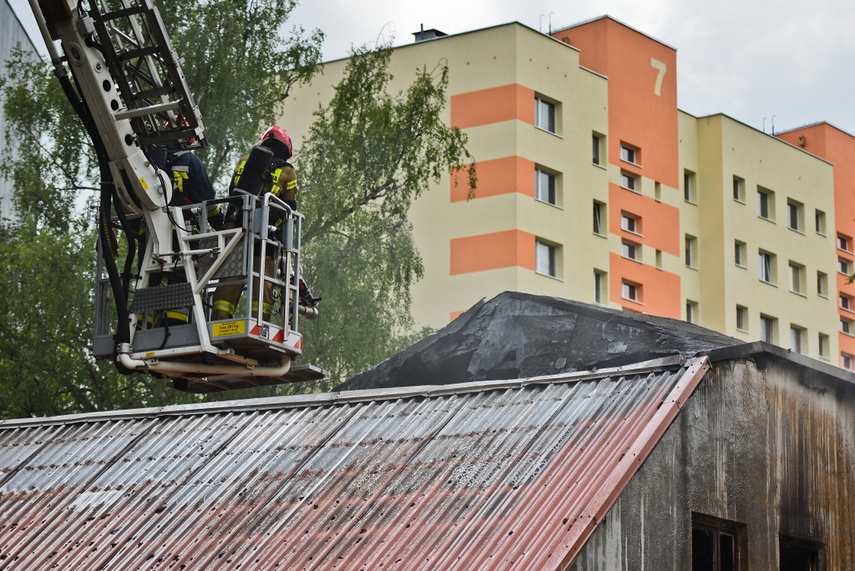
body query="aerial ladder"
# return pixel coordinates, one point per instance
(121, 73)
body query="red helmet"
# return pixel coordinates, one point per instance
(277, 139)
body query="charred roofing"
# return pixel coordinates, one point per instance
(517, 335)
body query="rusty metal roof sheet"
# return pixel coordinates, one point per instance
(474, 476)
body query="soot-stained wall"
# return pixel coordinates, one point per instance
(763, 442)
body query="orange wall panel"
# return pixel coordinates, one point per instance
(495, 177)
(512, 248)
(846, 344)
(642, 76)
(494, 105)
(660, 290)
(660, 222)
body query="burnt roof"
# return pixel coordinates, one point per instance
(518, 335)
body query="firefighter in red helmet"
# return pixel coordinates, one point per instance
(265, 169)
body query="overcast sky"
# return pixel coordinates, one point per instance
(751, 59)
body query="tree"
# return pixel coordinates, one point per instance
(240, 66)
(368, 155)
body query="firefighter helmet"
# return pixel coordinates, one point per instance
(276, 139)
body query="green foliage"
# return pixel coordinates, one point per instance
(368, 156)
(46, 367)
(240, 65)
(54, 160)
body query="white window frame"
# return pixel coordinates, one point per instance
(600, 280)
(822, 284)
(599, 218)
(843, 243)
(819, 220)
(597, 149)
(843, 266)
(545, 115)
(796, 278)
(546, 266)
(740, 253)
(629, 154)
(846, 361)
(630, 250)
(766, 265)
(628, 181)
(739, 189)
(549, 195)
(822, 345)
(795, 216)
(741, 318)
(767, 328)
(845, 302)
(629, 291)
(764, 204)
(692, 311)
(691, 249)
(796, 338)
(689, 191)
(629, 223)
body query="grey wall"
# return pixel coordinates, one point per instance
(762, 442)
(11, 33)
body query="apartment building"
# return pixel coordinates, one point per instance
(593, 186)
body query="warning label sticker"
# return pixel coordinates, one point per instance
(228, 328)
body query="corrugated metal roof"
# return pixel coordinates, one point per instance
(474, 476)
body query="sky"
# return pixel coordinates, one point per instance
(785, 64)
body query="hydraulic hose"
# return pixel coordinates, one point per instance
(123, 328)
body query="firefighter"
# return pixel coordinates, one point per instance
(265, 169)
(191, 185)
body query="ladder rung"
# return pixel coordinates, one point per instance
(124, 12)
(141, 52)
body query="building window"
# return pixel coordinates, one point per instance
(691, 311)
(597, 148)
(797, 278)
(630, 223)
(740, 254)
(631, 251)
(546, 259)
(691, 246)
(822, 284)
(544, 186)
(741, 318)
(544, 114)
(600, 282)
(630, 291)
(767, 328)
(843, 266)
(765, 204)
(716, 544)
(767, 267)
(845, 302)
(796, 338)
(739, 189)
(689, 192)
(846, 326)
(795, 216)
(628, 181)
(843, 242)
(659, 259)
(820, 222)
(823, 345)
(630, 154)
(599, 217)
(799, 555)
(846, 361)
